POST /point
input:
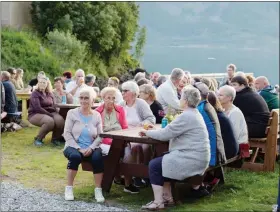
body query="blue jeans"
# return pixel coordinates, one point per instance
(75, 158)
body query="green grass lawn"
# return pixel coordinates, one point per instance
(45, 168)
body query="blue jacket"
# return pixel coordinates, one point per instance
(211, 132)
(213, 126)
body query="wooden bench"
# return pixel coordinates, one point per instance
(268, 145)
(235, 162)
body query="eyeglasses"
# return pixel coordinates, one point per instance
(84, 98)
(124, 91)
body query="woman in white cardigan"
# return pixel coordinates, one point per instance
(189, 150)
(81, 133)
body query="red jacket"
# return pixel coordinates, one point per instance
(120, 113)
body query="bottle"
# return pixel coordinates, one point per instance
(64, 99)
(164, 122)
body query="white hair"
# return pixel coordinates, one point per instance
(191, 95)
(131, 86)
(177, 74)
(229, 91)
(107, 90)
(89, 91)
(240, 73)
(80, 70)
(139, 76)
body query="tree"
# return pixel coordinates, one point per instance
(108, 27)
(141, 40)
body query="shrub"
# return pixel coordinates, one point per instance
(67, 48)
(25, 50)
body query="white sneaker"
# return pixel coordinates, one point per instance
(98, 195)
(69, 193)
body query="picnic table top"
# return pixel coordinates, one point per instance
(131, 135)
(72, 106)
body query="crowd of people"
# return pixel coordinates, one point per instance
(212, 119)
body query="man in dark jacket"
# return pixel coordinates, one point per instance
(253, 107)
(268, 92)
(11, 103)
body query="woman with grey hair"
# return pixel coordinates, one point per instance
(189, 150)
(138, 113)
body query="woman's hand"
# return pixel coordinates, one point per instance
(148, 126)
(88, 152)
(142, 133)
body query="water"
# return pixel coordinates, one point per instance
(259, 61)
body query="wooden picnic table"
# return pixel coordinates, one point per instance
(24, 96)
(64, 108)
(114, 166)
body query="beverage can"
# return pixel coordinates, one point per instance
(64, 99)
(164, 122)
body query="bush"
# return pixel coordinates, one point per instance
(25, 50)
(67, 48)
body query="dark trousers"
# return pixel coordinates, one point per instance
(155, 172)
(75, 158)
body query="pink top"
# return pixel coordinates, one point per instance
(120, 113)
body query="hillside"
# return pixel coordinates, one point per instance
(205, 36)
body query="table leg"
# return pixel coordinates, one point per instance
(111, 163)
(24, 109)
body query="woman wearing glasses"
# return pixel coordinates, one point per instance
(113, 118)
(82, 128)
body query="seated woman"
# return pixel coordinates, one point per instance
(113, 118)
(253, 107)
(59, 92)
(82, 128)
(213, 126)
(148, 93)
(189, 150)
(19, 79)
(42, 113)
(138, 113)
(230, 142)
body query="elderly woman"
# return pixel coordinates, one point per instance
(138, 113)
(59, 92)
(114, 82)
(183, 83)
(213, 126)
(42, 113)
(189, 150)
(113, 118)
(148, 93)
(230, 142)
(82, 128)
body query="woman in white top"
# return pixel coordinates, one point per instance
(138, 113)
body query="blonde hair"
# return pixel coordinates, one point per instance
(49, 88)
(150, 90)
(91, 93)
(106, 90)
(115, 80)
(18, 79)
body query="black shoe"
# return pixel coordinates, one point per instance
(138, 182)
(200, 192)
(56, 142)
(119, 182)
(131, 189)
(147, 182)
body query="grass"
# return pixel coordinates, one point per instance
(45, 168)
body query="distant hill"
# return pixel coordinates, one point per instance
(204, 37)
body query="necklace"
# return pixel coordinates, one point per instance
(85, 120)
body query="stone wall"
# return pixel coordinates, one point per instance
(15, 14)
